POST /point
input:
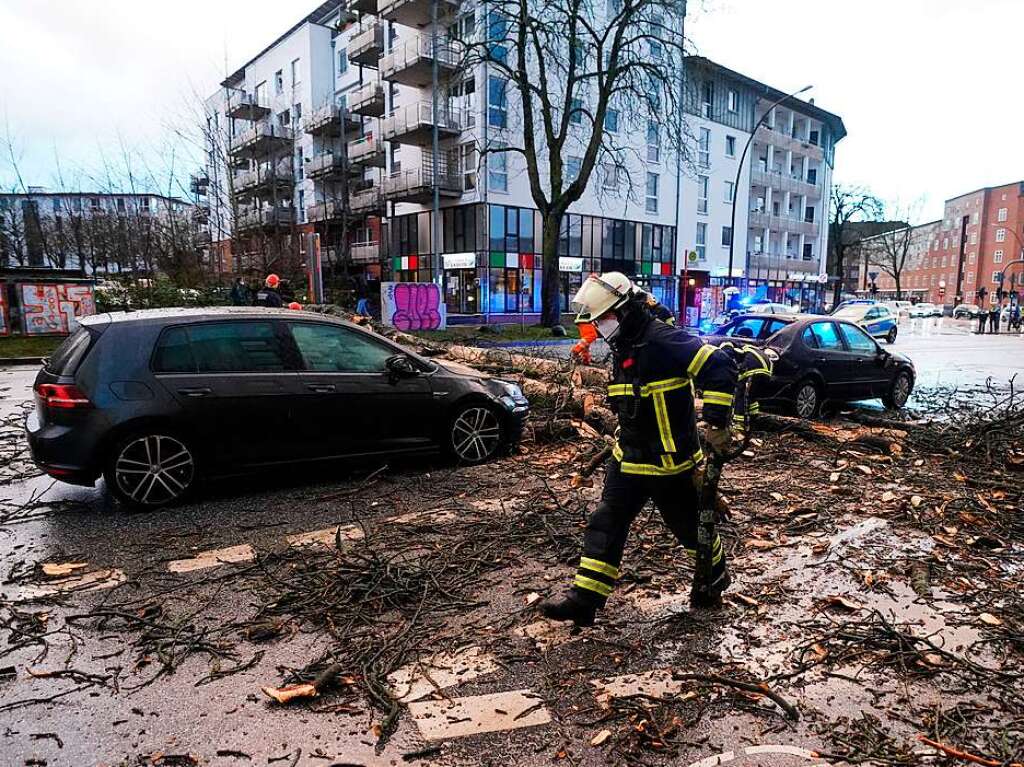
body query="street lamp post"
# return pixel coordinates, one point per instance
(739, 170)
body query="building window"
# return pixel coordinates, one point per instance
(997, 257)
(809, 214)
(611, 120)
(609, 177)
(996, 276)
(1000, 235)
(974, 238)
(497, 171)
(342, 61)
(704, 148)
(945, 243)
(260, 97)
(808, 251)
(726, 236)
(730, 191)
(572, 168)
(652, 192)
(469, 166)
(733, 102)
(653, 142)
(730, 146)
(302, 206)
(701, 243)
(576, 111)
(497, 102)
(279, 81)
(1001, 216)
(296, 72)
(702, 194)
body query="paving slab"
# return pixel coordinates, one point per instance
(327, 536)
(213, 558)
(418, 680)
(461, 717)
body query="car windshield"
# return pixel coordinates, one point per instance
(850, 312)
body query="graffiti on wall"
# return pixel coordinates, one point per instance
(412, 305)
(52, 308)
(5, 328)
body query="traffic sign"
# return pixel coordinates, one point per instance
(873, 276)
(692, 256)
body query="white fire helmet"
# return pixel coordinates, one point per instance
(599, 295)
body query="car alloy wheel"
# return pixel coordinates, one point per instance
(476, 434)
(807, 400)
(891, 337)
(901, 390)
(154, 470)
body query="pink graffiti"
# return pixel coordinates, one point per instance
(49, 308)
(417, 306)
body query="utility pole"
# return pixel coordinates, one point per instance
(435, 223)
(680, 249)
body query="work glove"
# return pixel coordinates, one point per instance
(719, 439)
(581, 352)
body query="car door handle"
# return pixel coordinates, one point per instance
(196, 391)
(322, 388)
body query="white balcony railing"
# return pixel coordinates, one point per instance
(412, 117)
(365, 252)
(326, 163)
(365, 148)
(419, 49)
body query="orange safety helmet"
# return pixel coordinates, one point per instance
(295, 305)
(272, 281)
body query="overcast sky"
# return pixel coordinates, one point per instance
(928, 89)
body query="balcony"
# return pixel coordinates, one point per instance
(325, 211)
(411, 63)
(280, 176)
(365, 252)
(257, 218)
(199, 183)
(368, 150)
(261, 140)
(369, 202)
(367, 100)
(243, 106)
(414, 13)
(781, 263)
(759, 219)
(414, 124)
(784, 140)
(204, 237)
(367, 44)
(785, 182)
(417, 185)
(361, 6)
(327, 122)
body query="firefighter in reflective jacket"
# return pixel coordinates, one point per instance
(752, 364)
(656, 369)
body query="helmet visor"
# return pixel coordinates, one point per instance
(594, 298)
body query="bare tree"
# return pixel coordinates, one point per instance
(847, 204)
(577, 77)
(890, 250)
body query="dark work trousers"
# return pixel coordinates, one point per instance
(993, 322)
(981, 322)
(623, 499)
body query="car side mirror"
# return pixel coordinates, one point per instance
(400, 366)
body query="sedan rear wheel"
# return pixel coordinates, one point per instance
(807, 401)
(476, 434)
(151, 470)
(891, 336)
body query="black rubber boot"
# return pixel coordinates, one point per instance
(569, 608)
(714, 597)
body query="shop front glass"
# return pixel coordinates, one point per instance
(462, 291)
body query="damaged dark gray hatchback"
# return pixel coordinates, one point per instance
(156, 400)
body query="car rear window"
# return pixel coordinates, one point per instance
(173, 353)
(748, 328)
(774, 326)
(65, 360)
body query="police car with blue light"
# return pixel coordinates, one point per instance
(877, 319)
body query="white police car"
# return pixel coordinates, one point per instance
(877, 319)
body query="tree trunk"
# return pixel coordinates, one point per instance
(837, 292)
(551, 290)
(899, 294)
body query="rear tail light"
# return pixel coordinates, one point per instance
(62, 396)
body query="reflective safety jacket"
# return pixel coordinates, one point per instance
(752, 364)
(652, 392)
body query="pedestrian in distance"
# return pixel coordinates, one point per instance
(240, 295)
(982, 319)
(993, 319)
(655, 369)
(269, 295)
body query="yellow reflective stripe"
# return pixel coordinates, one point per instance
(599, 567)
(591, 585)
(618, 390)
(754, 408)
(717, 398)
(670, 321)
(664, 427)
(667, 384)
(668, 465)
(755, 372)
(699, 359)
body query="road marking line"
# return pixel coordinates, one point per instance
(728, 756)
(326, 537)
(459, 717)
(418, 680)
(92, 581)
(213, 558)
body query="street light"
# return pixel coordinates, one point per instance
(739, 170)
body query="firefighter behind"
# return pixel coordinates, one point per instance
(270, 296)
(655, 369)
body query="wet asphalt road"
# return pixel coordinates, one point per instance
(83, 525)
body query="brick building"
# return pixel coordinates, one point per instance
(952, 259)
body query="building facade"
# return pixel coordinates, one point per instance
(92, 233)
(330, 130)
(963, 257)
